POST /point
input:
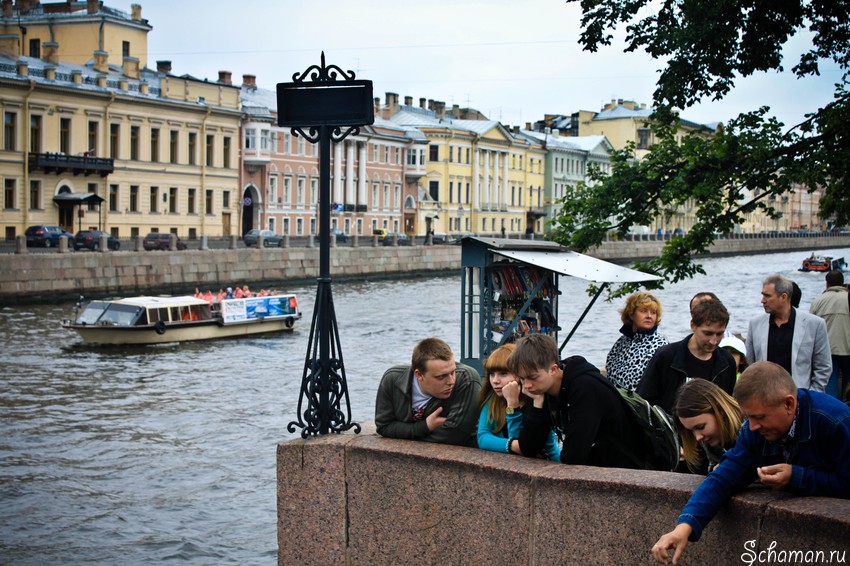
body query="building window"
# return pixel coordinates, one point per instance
(226, 152)
(125, 48)
(397, 197)
(134, 198)
(134, 143)
(386, 197)
(35, 48)
(209, 201)
(172, 200)
(10, 120)
(65, 135)
(113, 198)
(314, 192)
(287, 190)
(154, 145)
(190, 204)
(451, 191)
(193, 147)
(114, 136)
(174, 146)
(300, 191)
(35, 134)
(300, 145)
(273, 189)
(9, 194)
(433, 153)
(643, 138)
(451, 154)
(250, 138)
(386, 154)
(210, 150)
(92, 148)
(267, 140)
(287, 143)
(154, 199)
(376, 199)
(434, 190)
(35, 195)
(225, 199)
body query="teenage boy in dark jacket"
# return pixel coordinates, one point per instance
(585, 410)
(695, 356)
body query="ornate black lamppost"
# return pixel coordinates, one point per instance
(325, 104)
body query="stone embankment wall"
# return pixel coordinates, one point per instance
(61, 276)
(362, 499)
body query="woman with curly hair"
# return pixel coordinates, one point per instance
(640, 338)
(500, 405)
(708, 420)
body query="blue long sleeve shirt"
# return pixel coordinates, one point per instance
(488, 440)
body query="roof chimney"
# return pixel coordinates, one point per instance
(101, 80)
(144, 88)
(50, 72)
(225, 77)
(556, 132)
(101, 61)
(439, 109)
(23, 68)
(92, 6)
(131, 67)
(456, 111)
(249, 81)
(163, 67)
(7, 9)
(422, 104)
(392, 102)
(528, 126)
(77, 77)
(136, 12)
(10, 45)
(24, 6)
(50, 52)
(408, 101)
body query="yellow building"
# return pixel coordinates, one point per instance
(109, 145)
(479, 177)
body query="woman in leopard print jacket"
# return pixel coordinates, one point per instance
(640, 338)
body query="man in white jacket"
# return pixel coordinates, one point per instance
(792, 338)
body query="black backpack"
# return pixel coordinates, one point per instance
(661, 442)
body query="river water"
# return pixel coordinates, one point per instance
(129, 456)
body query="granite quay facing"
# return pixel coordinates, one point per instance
(362, 499)
(45, 277)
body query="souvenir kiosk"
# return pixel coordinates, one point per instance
(509, 288)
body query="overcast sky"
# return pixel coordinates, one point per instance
(514, 60)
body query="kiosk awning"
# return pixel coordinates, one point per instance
(578, 265)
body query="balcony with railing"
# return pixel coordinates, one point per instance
(76, 164)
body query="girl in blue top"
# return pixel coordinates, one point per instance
(500, 403)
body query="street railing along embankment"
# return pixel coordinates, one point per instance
(65, 275)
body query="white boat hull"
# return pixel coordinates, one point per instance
(207, 330)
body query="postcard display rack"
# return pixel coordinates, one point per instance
(503, 299)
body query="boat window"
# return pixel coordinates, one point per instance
(121, 315)
(155, 315)
(175, 313)
(91, 312)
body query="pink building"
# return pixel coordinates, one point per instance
(375, 175)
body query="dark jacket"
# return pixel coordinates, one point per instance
(665, 374)
(590, 417)
(394, 411)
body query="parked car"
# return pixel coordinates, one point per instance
(403, 239)
(379, 232)
(341, 237)
(46, 236)
(162, 241)
(90, 240)
(270, 239)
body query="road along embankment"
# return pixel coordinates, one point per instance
(47, 277)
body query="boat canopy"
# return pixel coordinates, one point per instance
(158, 302)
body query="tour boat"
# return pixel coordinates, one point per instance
(823, 263)
(155, 320)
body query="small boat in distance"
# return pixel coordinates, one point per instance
(156, 320)
(823, 263)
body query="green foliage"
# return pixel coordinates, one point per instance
(751, 161)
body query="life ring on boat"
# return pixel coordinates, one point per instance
(159, 327)
(289, 322)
